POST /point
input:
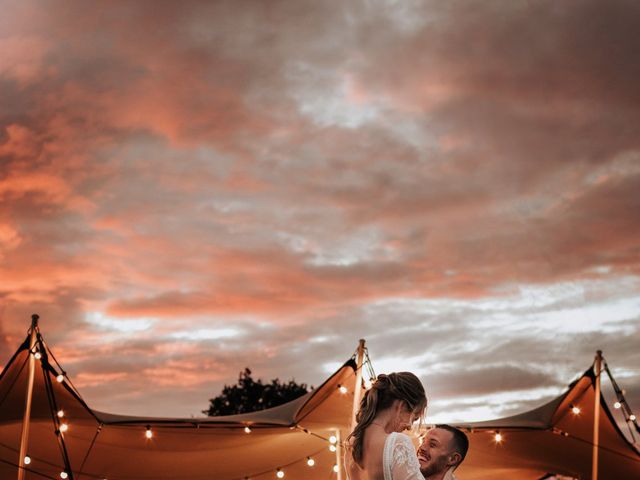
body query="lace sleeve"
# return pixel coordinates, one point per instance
(401, 459)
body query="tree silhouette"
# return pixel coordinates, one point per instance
(250, 395)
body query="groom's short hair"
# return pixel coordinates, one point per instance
(460, 441)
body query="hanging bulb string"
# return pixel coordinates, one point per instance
(616, 387)
(40, 461)
(279, 467)
(68, 384)
(626, 408)
(44, 475)
(54, 409)
(27, 469)
(309, 432)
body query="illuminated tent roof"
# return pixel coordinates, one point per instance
(102, 445)
(549, 439)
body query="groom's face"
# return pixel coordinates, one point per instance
(435, 452)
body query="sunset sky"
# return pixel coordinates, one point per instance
(189, 188)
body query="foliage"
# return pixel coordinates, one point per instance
(250, 395)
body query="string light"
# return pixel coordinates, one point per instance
(148, 433)
(60, 378)
(498, 437)
(336, 468)
(575, 410)
(621, 402)
(342, 389)
(332, 448)
(279, 473)
(60, 413)
(310, 461)
(247, 430)
(64, 475)
(64, 427)
(27, 460)
(333, 439)
(38, 355)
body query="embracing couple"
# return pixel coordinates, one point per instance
(378, 450)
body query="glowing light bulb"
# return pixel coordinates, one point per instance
(332, 448)
(148, 433)
(310, 461)
(60, 378)
(498, 437)
(38, 355)
(617, 405)
(279, 473)
(343, 389)
(333, 439)
(632, 417)
(575, 410)
(63, 475)
(60, 413)
(64, 427)
(27, 460)
(247, 430)
(336, 468)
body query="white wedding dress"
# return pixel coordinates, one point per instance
(399, 460)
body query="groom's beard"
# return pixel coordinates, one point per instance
(433, 465)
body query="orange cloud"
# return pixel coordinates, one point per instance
(313, 175)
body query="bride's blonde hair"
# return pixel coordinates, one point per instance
(403, 386)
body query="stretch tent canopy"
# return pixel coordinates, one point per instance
(97, 445)
(556, 438)
(101, 445)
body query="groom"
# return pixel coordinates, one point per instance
(443, 448)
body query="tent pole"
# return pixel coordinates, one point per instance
(339, 453)
(357, 393)
(597, 366)
(24, 438)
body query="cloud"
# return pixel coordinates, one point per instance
(457, 186)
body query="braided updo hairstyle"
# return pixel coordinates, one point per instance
(403, 386)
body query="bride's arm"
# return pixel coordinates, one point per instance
(404, 461)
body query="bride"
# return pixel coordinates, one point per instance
(376, 449)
